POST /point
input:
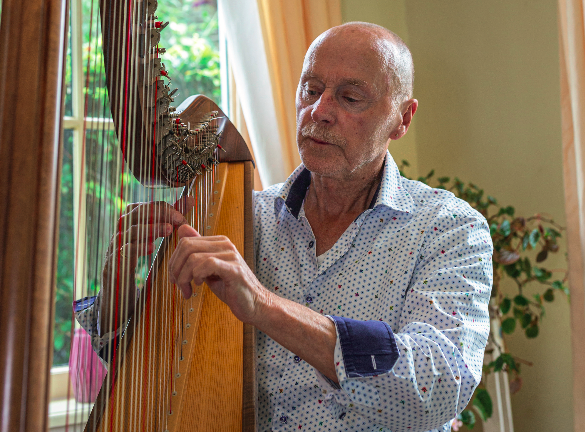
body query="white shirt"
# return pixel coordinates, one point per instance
(414, 271)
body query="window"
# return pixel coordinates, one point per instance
(192, 59)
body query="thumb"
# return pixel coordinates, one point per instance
(187, 231)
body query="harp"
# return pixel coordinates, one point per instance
(179, 365)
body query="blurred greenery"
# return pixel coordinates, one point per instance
(193, 63)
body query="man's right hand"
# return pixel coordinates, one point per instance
(136, 231)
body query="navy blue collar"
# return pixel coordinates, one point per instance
(299, 188)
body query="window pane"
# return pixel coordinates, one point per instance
(68, 76)
(192, 43)
(65, 257)
(192, 58)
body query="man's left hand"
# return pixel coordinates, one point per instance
(216, 261)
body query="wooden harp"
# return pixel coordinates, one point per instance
(213, 387)
(180, 364)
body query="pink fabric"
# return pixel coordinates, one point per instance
(85, 369)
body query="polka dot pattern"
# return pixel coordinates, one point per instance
(419, 260)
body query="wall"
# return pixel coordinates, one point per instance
(487, 81)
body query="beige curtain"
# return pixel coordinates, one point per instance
(267, 41)
(288, 28)
(572, 59)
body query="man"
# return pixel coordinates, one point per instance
(370, 294)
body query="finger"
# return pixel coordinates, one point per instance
(187, 231)
(200, 267)
(154, 212)
(189, 246)
(185, 204)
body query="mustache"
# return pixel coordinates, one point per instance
(314, 131)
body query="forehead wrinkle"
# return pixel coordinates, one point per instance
(344, 81)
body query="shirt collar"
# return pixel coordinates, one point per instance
(391, 191)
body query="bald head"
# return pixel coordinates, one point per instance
(393, 54)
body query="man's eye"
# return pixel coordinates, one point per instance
(311, 92)
(350, 99)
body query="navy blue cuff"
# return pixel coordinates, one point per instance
(368, 347)
(84, 303)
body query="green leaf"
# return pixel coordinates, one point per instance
(520, 300)
(560, 286)
(430, 174)
(467, 418)
(493, 228)
(405, 163)
(505, 305)
(525, 241)
(526, 320)
(527, 267)
(492, 200)
(518, 313)
(549, 295)
(541, 255)
(541, 274)
(532, 331)
(444, 179)
(509, 325)
(483, 403)
(497, 364)
(534, 237)
(505, 228)
(512, 270)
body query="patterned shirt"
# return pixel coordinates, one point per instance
(407, 285)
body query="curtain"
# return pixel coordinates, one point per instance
(267, 41)
(572, 62)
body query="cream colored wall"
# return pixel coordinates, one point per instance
(487, 81)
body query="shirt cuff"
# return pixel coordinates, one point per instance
(86, 311)
(368, 347)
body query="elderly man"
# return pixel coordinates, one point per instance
(371, 291)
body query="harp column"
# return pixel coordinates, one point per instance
(32, 55)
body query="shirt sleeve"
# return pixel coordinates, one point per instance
(420, 376)
(86, 311)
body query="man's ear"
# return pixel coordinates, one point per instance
(407, 115)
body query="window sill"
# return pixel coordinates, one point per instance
(68, 412)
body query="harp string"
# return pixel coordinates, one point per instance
(133, 88)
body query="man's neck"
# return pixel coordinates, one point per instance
(332, 204)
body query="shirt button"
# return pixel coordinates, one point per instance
(297, 359)
(309, 299)
(311, 244)
(283, 419)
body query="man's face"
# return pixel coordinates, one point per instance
(344, 106)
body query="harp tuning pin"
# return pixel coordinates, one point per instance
(178, 120)
(220, 147)
(172, 93)
(172, 110)
(160, 50)
(165, 74)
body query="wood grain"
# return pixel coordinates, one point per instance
(210, 357)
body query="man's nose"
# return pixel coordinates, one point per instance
(324, 108)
